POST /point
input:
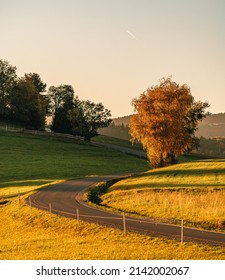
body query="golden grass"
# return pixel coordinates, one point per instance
(208, 173)
(204, 209)
(191, 191)
(16, 188)
(26, 234)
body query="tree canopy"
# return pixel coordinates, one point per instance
(37, 82)
(96, 116)
(27, 106)
(7, 81)
(61, 100)
(166, 120)
(71, 115)
(58, 95)
(24, 100)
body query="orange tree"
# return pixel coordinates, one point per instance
(166, 120)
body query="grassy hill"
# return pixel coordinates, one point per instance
(30, 162)
(193, 191)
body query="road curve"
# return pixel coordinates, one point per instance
(65, 198)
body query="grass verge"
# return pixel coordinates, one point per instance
(30, 235)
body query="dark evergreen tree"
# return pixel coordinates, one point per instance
(37, 82)
(62, 101)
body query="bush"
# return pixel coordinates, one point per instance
(94, 194)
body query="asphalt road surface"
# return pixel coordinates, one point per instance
(65, 198)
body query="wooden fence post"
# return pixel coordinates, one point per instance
(50, 209)
(19, 198)
(77, 215)
(30, 204)
(124, 223)
(182, 231)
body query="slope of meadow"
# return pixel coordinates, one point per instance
(28, 162)
(193, 191)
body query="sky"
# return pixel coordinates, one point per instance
(111, 51)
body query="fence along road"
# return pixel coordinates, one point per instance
(7, 128)
(66, 199)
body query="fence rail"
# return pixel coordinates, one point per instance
(7, 128)
(109, 220)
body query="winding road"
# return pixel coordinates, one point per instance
(65, 198)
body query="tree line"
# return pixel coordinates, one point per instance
(165, 120)
(214, 147)
(26, 101)
(120, 131)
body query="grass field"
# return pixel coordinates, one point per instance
(26, 234)
(117, 141)
(28, 163)
(193, 191)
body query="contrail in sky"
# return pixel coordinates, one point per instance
(131, 34)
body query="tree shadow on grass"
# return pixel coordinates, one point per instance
(182, 169)
(180, 177)
(186, 172)
(169, 186)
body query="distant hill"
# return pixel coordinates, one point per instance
(211, 126)
(122, 120)
(211, 129)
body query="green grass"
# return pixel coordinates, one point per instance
(29, 161)
(118, 142)
(193, 191)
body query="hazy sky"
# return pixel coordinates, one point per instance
(110, 51)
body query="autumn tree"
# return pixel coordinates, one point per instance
(166, 120)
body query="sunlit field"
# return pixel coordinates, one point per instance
(26, 234)
(193, 191)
